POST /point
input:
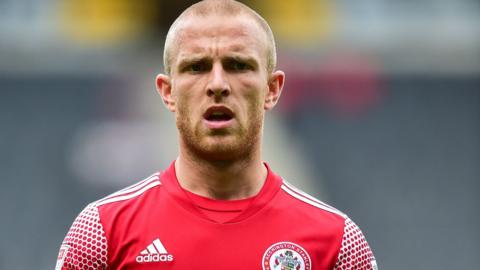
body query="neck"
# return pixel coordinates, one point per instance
(226, 179)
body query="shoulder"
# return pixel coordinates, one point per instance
(127, 203)
(302, 200)
(310, 213)
(354, 252)
(131, 193)
(87, 244)
(353, 249)
(85, 239)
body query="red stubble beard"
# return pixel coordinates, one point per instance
(237, 143)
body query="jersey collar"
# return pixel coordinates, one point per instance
(270, 188)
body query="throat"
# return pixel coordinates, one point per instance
(221, 180)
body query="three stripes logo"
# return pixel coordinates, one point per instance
(155, 252)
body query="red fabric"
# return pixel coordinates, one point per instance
(220, 211)
(155, 225)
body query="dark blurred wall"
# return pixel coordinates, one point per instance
(407, 170)
(39, 195)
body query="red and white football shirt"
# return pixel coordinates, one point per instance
(155, 224)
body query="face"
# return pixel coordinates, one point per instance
(219, 87)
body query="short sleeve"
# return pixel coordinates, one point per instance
(355, 253)
(85, 245)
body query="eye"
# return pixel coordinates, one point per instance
(239, 65)
(235, 65)
(196, 67)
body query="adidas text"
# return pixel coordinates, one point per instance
(154, 258)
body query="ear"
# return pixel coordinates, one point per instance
(164, 89)
(275, 86)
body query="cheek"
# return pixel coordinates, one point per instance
(182, 95)
(253, 106)
(188, 88)
(183, 112)
(255, 89)
(255, 97)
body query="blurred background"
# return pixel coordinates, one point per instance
(380, 117)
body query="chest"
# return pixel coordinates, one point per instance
(173, 238)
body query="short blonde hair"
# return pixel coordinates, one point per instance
(219, 7)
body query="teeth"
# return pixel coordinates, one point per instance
(217, 113)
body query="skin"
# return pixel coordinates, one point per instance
(220, 61)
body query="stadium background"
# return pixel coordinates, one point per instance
(380, 117)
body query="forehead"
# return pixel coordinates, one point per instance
(220, 34)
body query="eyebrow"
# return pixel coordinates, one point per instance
(184, 62)
(194, 59)
(244, 59)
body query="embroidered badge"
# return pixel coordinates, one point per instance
(286, 256)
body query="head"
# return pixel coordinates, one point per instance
(220, 79)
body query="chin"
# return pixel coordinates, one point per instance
(220, 145)
(223, 150)
(220, 149)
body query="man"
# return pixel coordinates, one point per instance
(218, 206)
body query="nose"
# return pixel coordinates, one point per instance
(218, 85)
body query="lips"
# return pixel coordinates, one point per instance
(216, 117)
(218, 113)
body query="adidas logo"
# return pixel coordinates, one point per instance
(155, 252)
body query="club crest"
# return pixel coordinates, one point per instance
(286, 256)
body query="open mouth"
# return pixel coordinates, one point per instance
(219, 117)
(218, 114)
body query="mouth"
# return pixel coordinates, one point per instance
(217, 117)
